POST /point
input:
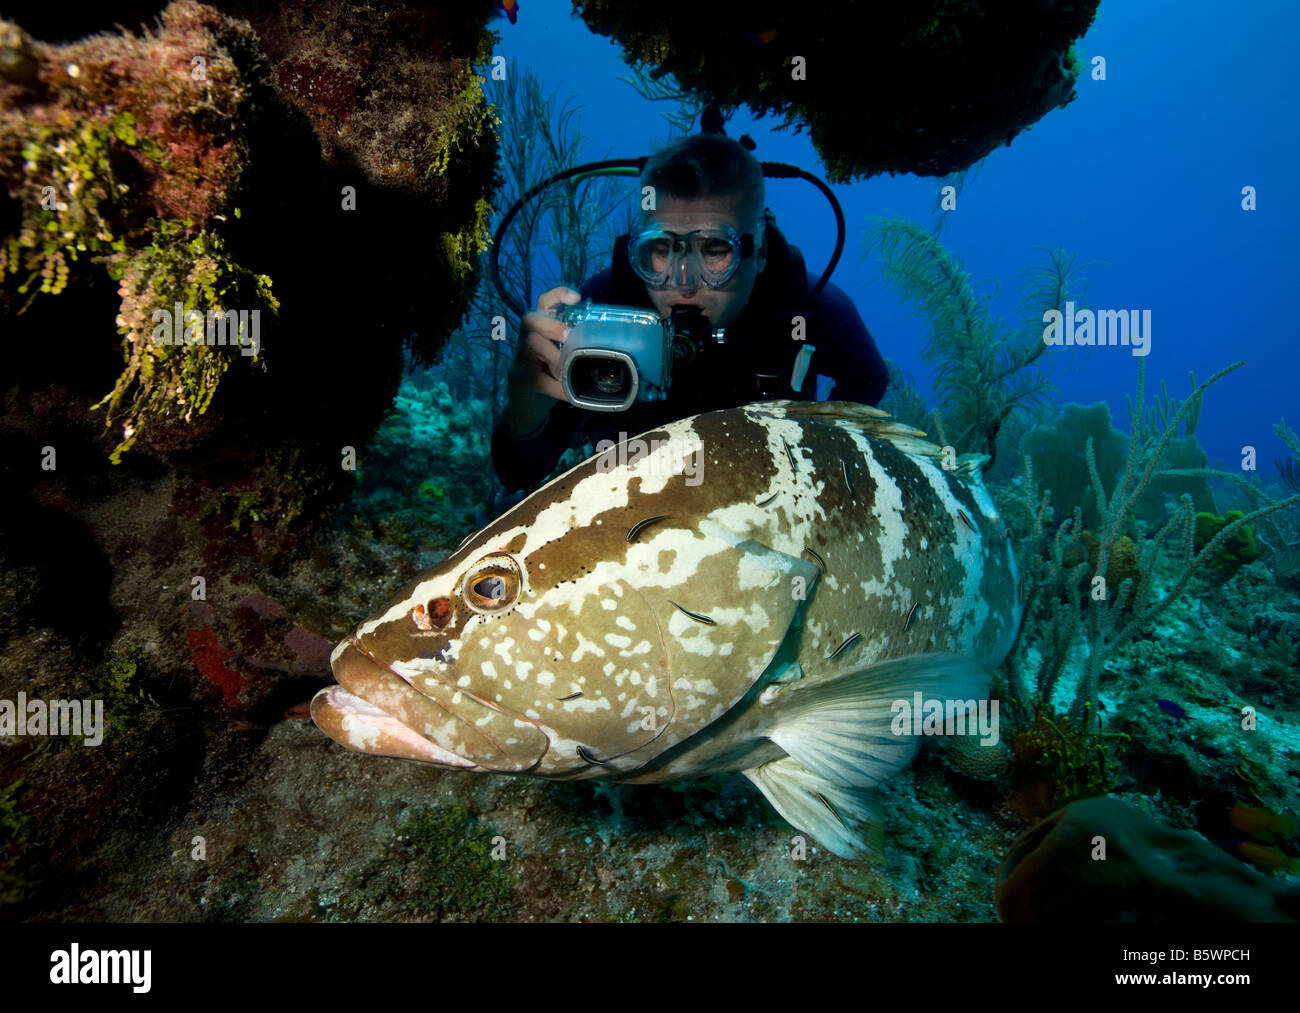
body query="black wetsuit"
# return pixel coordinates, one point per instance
(755, 363)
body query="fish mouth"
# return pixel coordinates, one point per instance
(377, 709)
(381, 716)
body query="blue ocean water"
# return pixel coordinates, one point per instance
(1140, 177)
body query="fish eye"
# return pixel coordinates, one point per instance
(491, 588)
(492, 585)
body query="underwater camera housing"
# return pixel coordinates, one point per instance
(614, 356)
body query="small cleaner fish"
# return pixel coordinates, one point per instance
(762, 589)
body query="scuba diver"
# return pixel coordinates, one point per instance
(709, 249)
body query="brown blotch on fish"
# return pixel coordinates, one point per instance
(637, 528)
(440, 612)
(694, 615)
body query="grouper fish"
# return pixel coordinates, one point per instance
(762, 589)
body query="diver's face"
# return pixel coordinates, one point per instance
(722, 305)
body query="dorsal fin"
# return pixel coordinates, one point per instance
(863, 418)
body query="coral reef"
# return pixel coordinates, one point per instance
(150, 157)
(198, 584)
(1181, 474)
(1056, 451)
(1009, 63)
(1053, 602)
(1236, 551)
(982, 365)
(1056, 761)
(125, 152)
(1124, 564)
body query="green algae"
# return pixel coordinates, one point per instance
(437, 866)
(119, 681)
(75, 200)
(82, 202)
(195, 272)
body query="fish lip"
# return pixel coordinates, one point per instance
(356, 643)
(455, 761)
(465, 764)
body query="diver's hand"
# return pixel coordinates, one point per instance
(534, 384)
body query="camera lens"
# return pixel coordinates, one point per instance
(606, 378)
(610, 379)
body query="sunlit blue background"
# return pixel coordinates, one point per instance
(1141, 175)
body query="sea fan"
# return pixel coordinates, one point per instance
(982, 372)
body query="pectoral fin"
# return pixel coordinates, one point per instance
(842, 742)
(847, 821)
(842, 729)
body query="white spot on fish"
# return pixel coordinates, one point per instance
(585, 646)
(502, 650)
(587, 704)
(623, 622)
(617, 640)
(362, 735)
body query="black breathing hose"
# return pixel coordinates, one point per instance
(773, 170)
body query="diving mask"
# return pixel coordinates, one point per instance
(710, 256)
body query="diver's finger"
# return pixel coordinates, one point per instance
(531, 375)
(545, 325)
(548, 301)
(543, 350)
(550, 387)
